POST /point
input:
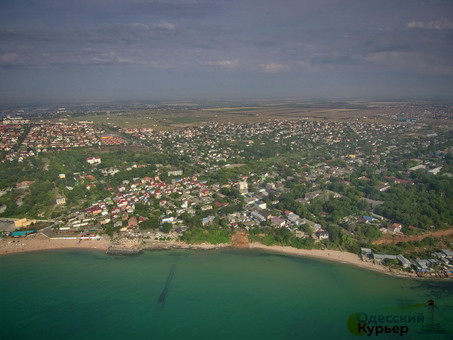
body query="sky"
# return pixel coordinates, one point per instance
(120, 50)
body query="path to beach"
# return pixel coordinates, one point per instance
(386, 239)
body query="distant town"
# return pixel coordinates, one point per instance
(375, 180)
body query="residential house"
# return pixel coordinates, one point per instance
(322, 234)
(61, 201)
(277, 221)
(395, 228)
(94, 160)
(207, 220)
(175, 173)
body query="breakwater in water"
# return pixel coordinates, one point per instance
(136, 246)
(163, 294)
(122, 251)
(125, 246)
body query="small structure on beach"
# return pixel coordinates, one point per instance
(366, 254)
(380, 258)
(404, 261)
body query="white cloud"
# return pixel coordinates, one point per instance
(8, 57)
(234, 63)
(164, 25)
(273, 67)
(432, 25)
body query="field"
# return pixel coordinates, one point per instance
(184, 116)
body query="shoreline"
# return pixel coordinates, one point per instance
(335, 256)
(329, 255)
(182, 245)
(42, 243)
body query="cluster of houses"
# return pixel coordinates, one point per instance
(60, 135)
(440, 261)
(191, 193)
(256, 214)
(9, 136)
(17, 120)
(45, 136)
(215, 145)
(112, 140)
(213, 141)
(187, 195)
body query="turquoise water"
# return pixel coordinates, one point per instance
(226, 294)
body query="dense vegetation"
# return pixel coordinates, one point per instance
(212, 235)
(282, 237)
(425, 204)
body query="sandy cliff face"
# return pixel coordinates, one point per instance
(240, 239)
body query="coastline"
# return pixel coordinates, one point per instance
(329, 255)
(182, 245)
(334, 256)
(41, 242)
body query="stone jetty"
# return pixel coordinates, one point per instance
(125, 246)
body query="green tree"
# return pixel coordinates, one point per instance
(166, 227)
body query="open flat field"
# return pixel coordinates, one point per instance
(191, 115)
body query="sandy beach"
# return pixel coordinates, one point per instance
(333, 255)
(41, 242)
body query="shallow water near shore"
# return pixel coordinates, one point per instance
(223, 294)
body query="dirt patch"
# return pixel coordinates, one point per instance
(240, 239)
(411, 238)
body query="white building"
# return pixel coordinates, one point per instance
(243, 186)
(61, 201)
(94, 160)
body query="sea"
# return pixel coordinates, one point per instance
(220, 294)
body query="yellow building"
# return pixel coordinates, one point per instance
(23, 222)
